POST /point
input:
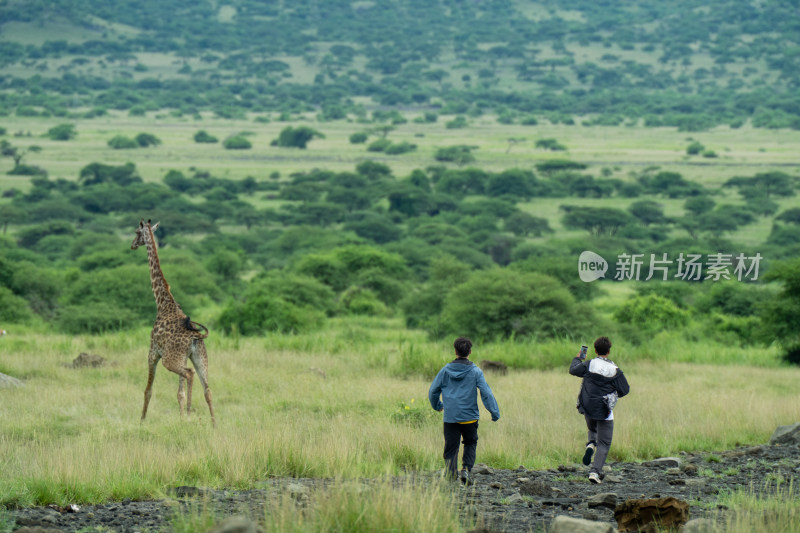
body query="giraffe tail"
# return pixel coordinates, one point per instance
(195, 326)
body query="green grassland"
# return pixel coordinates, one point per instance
(342, 403)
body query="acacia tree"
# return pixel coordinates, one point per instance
(298, 137)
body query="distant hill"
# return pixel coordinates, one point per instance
(681, 63)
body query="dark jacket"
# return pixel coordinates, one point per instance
(458, 384)
(598, 381)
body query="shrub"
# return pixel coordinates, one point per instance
(379, 145)
(121, 142)
(361, 301)
(147, 139)
(695, 148)
(62, 132)
(505, 303)
(99, 317)
(237, 142)
(13, 308)
(550, 144)
(298, 137)
(400, 148)
(651, 313)
(263, 312)
(203, 137)
(358, 138)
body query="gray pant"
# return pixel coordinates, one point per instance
(600, 432)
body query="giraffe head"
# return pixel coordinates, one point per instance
(141, 234)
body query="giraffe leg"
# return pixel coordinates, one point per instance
(152, 363)
(200, 360)
(186, 374)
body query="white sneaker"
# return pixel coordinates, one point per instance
(595, 478)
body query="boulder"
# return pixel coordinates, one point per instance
(481, 468)
(566, 524)
(535, 487)
(664, 462)
(9, 382)
(604, 499)
(786, 435)
(651, 515)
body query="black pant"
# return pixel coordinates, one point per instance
(600, 432)
(453, 433)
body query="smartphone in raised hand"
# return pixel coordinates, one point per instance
(584, 349)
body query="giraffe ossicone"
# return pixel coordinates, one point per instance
(175, 338)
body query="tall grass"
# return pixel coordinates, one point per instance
(331, 404)
(777, 509)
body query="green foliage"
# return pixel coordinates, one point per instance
(551, 166)
(147, 139)
(651, 313)
(237, 142)
(62, 132)
(363, 301)
(13, 309)
(550, 144)
(459, 154)
(121, 142)
(501, 303)
(99, 317)
(414, 414)
(358, 138)
(780, 315)
(695, 148)
(296, 137)
(204, 137)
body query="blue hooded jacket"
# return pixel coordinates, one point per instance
(457, 383)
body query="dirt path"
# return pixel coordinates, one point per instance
(503, 500)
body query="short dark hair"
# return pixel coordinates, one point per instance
(602, 345)
(463, 347)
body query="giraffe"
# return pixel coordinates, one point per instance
(175, 338)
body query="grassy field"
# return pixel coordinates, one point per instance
(347, 402)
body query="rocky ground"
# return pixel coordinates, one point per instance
(502, 500)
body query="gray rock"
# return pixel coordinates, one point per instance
(514, 498)
(604, 499)
(296, 489)
(700, 525)
(612, 479)
(37, 529)
(496, 485)
(535, 488)
(696, 482)
(237, 524)
(566, 524)
(786, 435)
(673, 471)
(9, 382)
(664, 462)
(481, 468)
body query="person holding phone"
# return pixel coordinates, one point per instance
(603, 384)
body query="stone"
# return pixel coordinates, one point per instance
(514, 498)
(664, 462)
(535, 488)
(689, 469)
(180, 492)
(496, 485)
(651, 515)
(612, 479)
(786, 435)
(696, 482)
(700, 525)
(566, 524)
(673, 471)
(237, 524)
(481, 468)
(9, 382)
(296, 489)
(37, 529)
(604, 499)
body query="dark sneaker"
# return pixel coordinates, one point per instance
(587, 455)
(594, 478)
(464, 477)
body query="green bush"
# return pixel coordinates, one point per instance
(501, 303)
(695, 148)
(260, 313)
(298, 137)
(13, 308)
(100, 317)
(379, 145)
(147, 139)
(237, 142)
(358, 138)
(400, 148)
(121, 142)
(203, 137)
(361, 301)
(62, 132)
(651, 313)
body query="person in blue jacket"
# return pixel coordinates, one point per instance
(458, 383)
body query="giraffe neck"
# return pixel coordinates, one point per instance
(164, 300)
